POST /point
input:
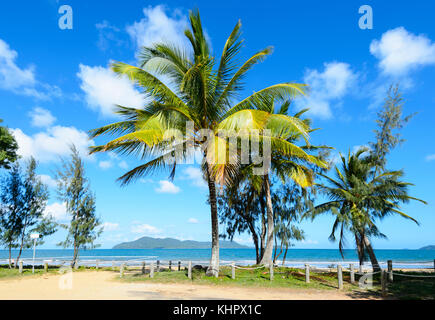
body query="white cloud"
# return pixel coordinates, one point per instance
(309, 241)
(157, 26)
(166, 186)
(41, 117)
(146, 180)
(11, 76)
(105, 164)
(430, 157)
(145, 229)
(21, 80)
(123, 165)
(195, 175)
(103, 89)
(193, 220)
(57, 211)
(107, 34)
(110, 226)
(399, 51)
(48, 180)
(327, 87)
(54, 142)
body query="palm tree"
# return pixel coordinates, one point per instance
(200, 95)
(359, 197)
(287, 160)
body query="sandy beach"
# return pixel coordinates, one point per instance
(104, 285)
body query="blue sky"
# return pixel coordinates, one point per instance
(55, 85)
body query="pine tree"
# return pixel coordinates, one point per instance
(33, 220)
(390, 121)
(11, 198)
(8, 148)
(74, 190)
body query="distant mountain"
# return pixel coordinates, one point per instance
(169, 243)
(428, 248)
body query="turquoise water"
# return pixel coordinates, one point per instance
(295, 257)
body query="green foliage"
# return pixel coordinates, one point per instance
(74, 190)
(359, 197)
(23, 202)
(8, 148)
(12, 202)
(390, 121)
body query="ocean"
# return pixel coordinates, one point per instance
(295, 257)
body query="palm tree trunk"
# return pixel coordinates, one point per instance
(370, 251)
(360, 249)
(213, 268)
(267, 256)
(263, 235)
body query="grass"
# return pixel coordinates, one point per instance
(405, 288)
(6, 273)
(412, 288)
(283, 278)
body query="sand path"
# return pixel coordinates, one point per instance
(103, 285)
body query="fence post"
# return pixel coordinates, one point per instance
(96, 265)
(152, 270)
(307, 273)
(189, 270)
(233, 270)
(352, 274)
(390, 270)
(113, 265)
(170, 265)
(121, 270)
(384, 283)
(340, 277)
(179, 265)
(21, 266)
(271, 271)
(143, 267)
(45, 266)
(158, 266)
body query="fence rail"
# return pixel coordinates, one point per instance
(387, 275)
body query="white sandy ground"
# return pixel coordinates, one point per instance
(103, 285)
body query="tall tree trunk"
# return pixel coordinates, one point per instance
(21, 246)
(360, 249)
(285, 254)
(19, 255)
(213, 268)
(370, 251)
(267, 256)
(255, 239)
(10, 257)
(74, 260)
(277, 255)
(263, 235)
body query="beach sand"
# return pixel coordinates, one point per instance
(104, 285)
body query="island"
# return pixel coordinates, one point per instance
(170, 243)
(428, 248)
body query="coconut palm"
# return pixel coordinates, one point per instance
(359, 198)
(295, 165)
(187, 92)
